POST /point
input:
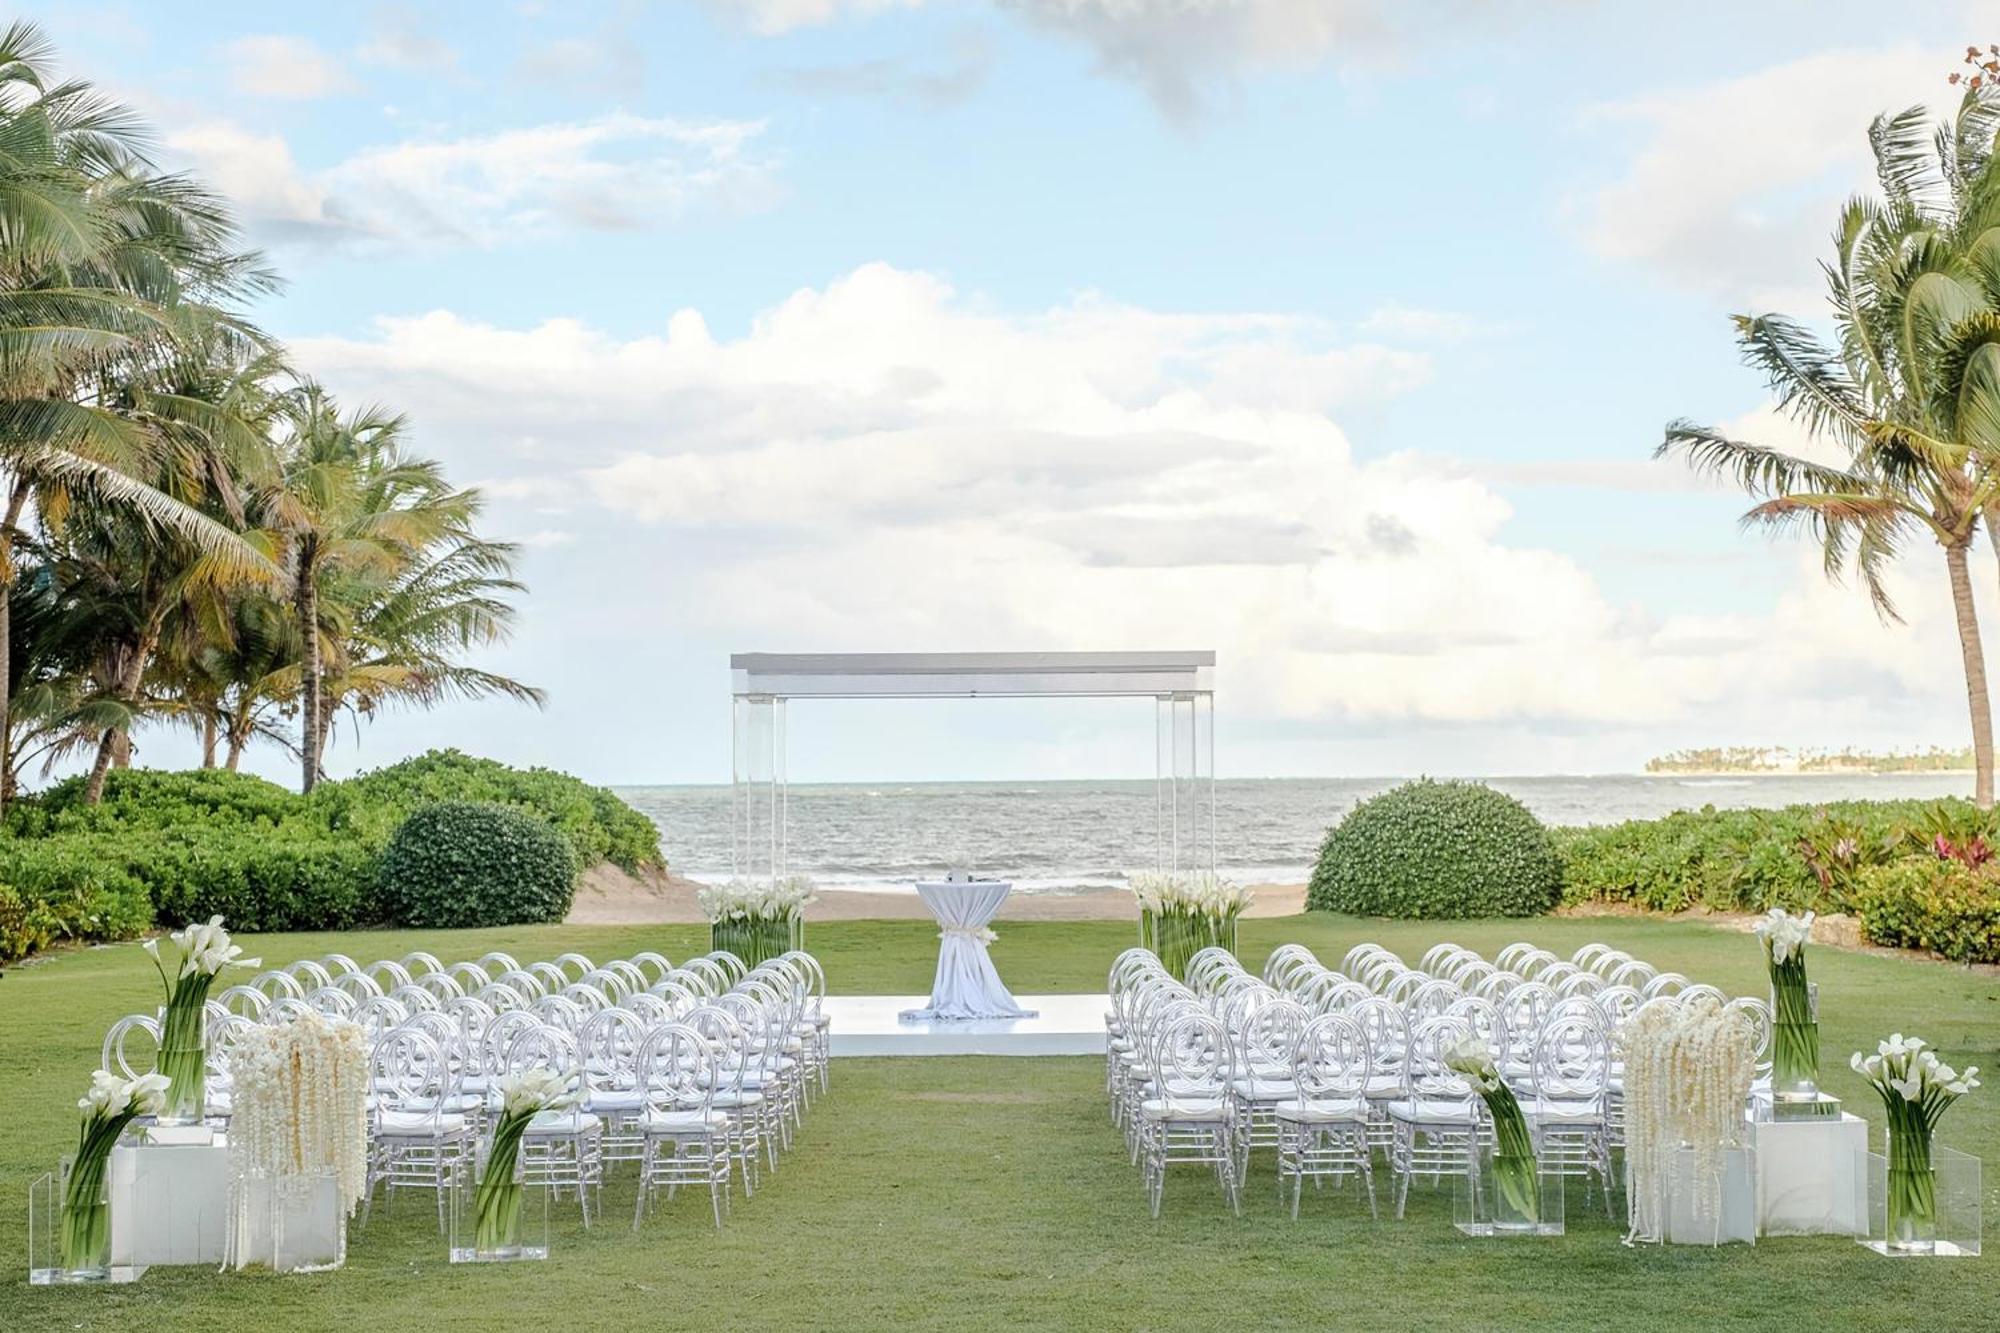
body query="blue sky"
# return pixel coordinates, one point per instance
(1331, 334)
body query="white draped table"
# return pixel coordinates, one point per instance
(966, 987)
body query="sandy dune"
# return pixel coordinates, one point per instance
(608, 896)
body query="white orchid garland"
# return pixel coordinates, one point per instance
(300, 1105)
(1688, 1067)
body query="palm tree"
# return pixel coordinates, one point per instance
(105, 267)
(1912, 273)
(346, 501)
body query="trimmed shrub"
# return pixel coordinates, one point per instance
(598, 825)
(1437, 849)
(475, 863)
(1929, 902)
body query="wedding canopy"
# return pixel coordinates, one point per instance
(1182, 684)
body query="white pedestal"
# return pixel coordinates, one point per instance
(169, 1202)
(1808, 1180)
(1737, 1215)
(289, 1232)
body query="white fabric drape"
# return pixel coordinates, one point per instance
(966, 987)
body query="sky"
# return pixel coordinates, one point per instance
(1332, 335)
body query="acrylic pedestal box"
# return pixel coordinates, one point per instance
(45, 1263)
(1481, 1207)
(1953, 1232)
(294, 1228)
(1808, 1175)
(170, 1197)
(529, 1238)
(1736, 1215)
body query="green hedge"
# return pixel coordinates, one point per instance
(1437, 849)
(1932, 903)
(168, 847)
(1750, 860)
(458, 864)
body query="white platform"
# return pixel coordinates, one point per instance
(1063, 1025)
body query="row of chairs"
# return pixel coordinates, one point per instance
(1335, 1067)
(687, 1090)
(687, 1071)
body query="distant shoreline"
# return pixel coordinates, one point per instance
(1805, 773)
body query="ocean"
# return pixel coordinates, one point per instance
(1051, 836)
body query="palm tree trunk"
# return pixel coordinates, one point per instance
(307, 598)
(208, 737)
(115, 745)
(1981, 704)
(16, 500)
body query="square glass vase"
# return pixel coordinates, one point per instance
(515, 1228)
(1507, 1197)
(1934, 1218)
(48, 1266)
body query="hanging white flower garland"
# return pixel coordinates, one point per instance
(299, 1111)
(1688, 1066)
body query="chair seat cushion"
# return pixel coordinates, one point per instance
(1432, 1111)
(685, 1122)
(615, 1100)
(1185, 1109)
(562, 1123)
(1556, 1111)
(1324, 1112)
(416, 1124)
(1264, 1089)
(733, 1099)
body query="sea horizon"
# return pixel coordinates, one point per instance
(1057, 834)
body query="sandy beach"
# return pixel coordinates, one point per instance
(610, 897)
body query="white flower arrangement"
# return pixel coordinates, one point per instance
(529, 1092)
(1916, 1089)
(203, 951)
(1202, 894)
(299, 1112)
(83, 1233)
(782, 900)
(1783, 933)
(1688, 1067)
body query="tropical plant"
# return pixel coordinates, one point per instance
(1437, 849)
(106, 268)
(1910, 391)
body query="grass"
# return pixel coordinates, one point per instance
(988, 1193)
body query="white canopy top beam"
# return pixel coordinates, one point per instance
(970, 675)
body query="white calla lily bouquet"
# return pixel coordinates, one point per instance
(754, 921)
(1182, 914)
(1794, 1026)
(1514, 1170)
(1916, 1088)
(523, 1095)
(83, 1236)
(201, 952)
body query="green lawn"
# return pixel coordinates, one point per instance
(987, 1193)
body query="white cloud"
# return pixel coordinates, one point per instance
(773, 17)
(291, 68)
(881, 463)
(398, 47)
(611, 173)
(1731, 187)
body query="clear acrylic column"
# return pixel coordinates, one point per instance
(757, 790)
(1184, 835)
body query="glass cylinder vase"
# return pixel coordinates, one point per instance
(183, 1060)
(1795, 1043)
(1912, 1192)
(1516, 1186)
(83, 1227)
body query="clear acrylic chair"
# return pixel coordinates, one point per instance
(1188, 1119)
(1568, 1114)
(1435, 1124)
(1323, 1130)
(686, 1140)
(414, 1141)
(562, 1149)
